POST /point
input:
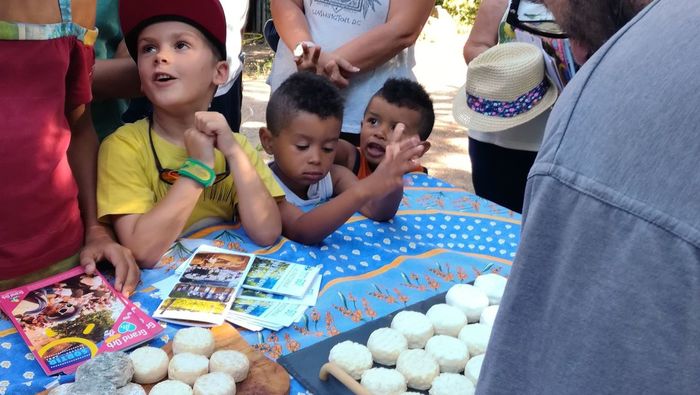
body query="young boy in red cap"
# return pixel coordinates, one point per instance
(162, 175)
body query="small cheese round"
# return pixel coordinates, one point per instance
(476, 337)
(450, 353)
(131, 389)
(418, 367)
(353, 358)
(194, 340)
(452, 384)
(382, 381)
(93, 388)
(186, 367)
(112, 367)
(446, 319)
(415, 326)
(63, 389)
(411, 393)
(386, 344)
(150, 364)
(217, 383)
(235, 363)
(468, 298)
(171, 387)
(493, 284)
(488, 316)
(474, 368)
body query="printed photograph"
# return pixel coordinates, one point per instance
(185, 305)
(223, 270)
(201, 291)
(265, 273)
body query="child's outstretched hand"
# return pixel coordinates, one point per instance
(401, 156)
(214, 124)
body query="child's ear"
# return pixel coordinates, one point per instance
(426, 146)
(266, 139)
(221, 73)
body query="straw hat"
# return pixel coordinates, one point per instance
(506, 87)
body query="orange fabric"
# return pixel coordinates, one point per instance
(364, 170)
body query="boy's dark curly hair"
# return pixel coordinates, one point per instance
(306, 92)
(403, 92)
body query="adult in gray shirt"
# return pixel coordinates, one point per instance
(604, 295)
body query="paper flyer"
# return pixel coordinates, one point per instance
(279, 277)
(309, 299)
(267, 314)
(206, 287)
(69, 318)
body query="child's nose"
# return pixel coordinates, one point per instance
(162, 56)
(314, 156)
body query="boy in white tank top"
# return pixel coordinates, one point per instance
(304, 117)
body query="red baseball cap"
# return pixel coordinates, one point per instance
(206, 15)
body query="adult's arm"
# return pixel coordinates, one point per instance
(99, 240)
(290, 21)
(484, 34)
(117, 77)
(401, 30)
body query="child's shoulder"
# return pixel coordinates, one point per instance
(132, 134)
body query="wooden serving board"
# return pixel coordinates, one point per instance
(265, 377)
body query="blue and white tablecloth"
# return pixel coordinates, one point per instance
(441, 236)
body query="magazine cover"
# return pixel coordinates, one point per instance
(69, 318)
(206, 288)
(279, 277)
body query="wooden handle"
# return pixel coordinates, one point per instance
(347, 380)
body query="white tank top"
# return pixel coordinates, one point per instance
(333, 23)
(317, 193)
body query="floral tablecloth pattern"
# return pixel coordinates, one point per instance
(441, 236)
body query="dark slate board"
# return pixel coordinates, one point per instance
(305, 364)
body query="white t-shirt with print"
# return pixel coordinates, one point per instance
(332, 23)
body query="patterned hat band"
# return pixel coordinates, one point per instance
(509, 109)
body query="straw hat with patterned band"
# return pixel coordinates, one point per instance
(206, 15)
(506, 87)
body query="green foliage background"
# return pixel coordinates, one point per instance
(464, 11)
(102, 319)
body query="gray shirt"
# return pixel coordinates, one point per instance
(604, 295)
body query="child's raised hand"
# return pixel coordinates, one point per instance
(214, 124)
(200, 146)
(401, 156)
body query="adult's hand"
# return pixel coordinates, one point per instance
(100, 245)
(337, 69)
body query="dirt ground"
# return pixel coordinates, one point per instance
(439, 67)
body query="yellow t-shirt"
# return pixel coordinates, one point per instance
(128, 181)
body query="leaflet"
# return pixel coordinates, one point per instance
(279, 277)
(206, 287)
(309, 299)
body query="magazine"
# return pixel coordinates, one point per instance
(69, 318)
(206, 287)
(279, 277)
